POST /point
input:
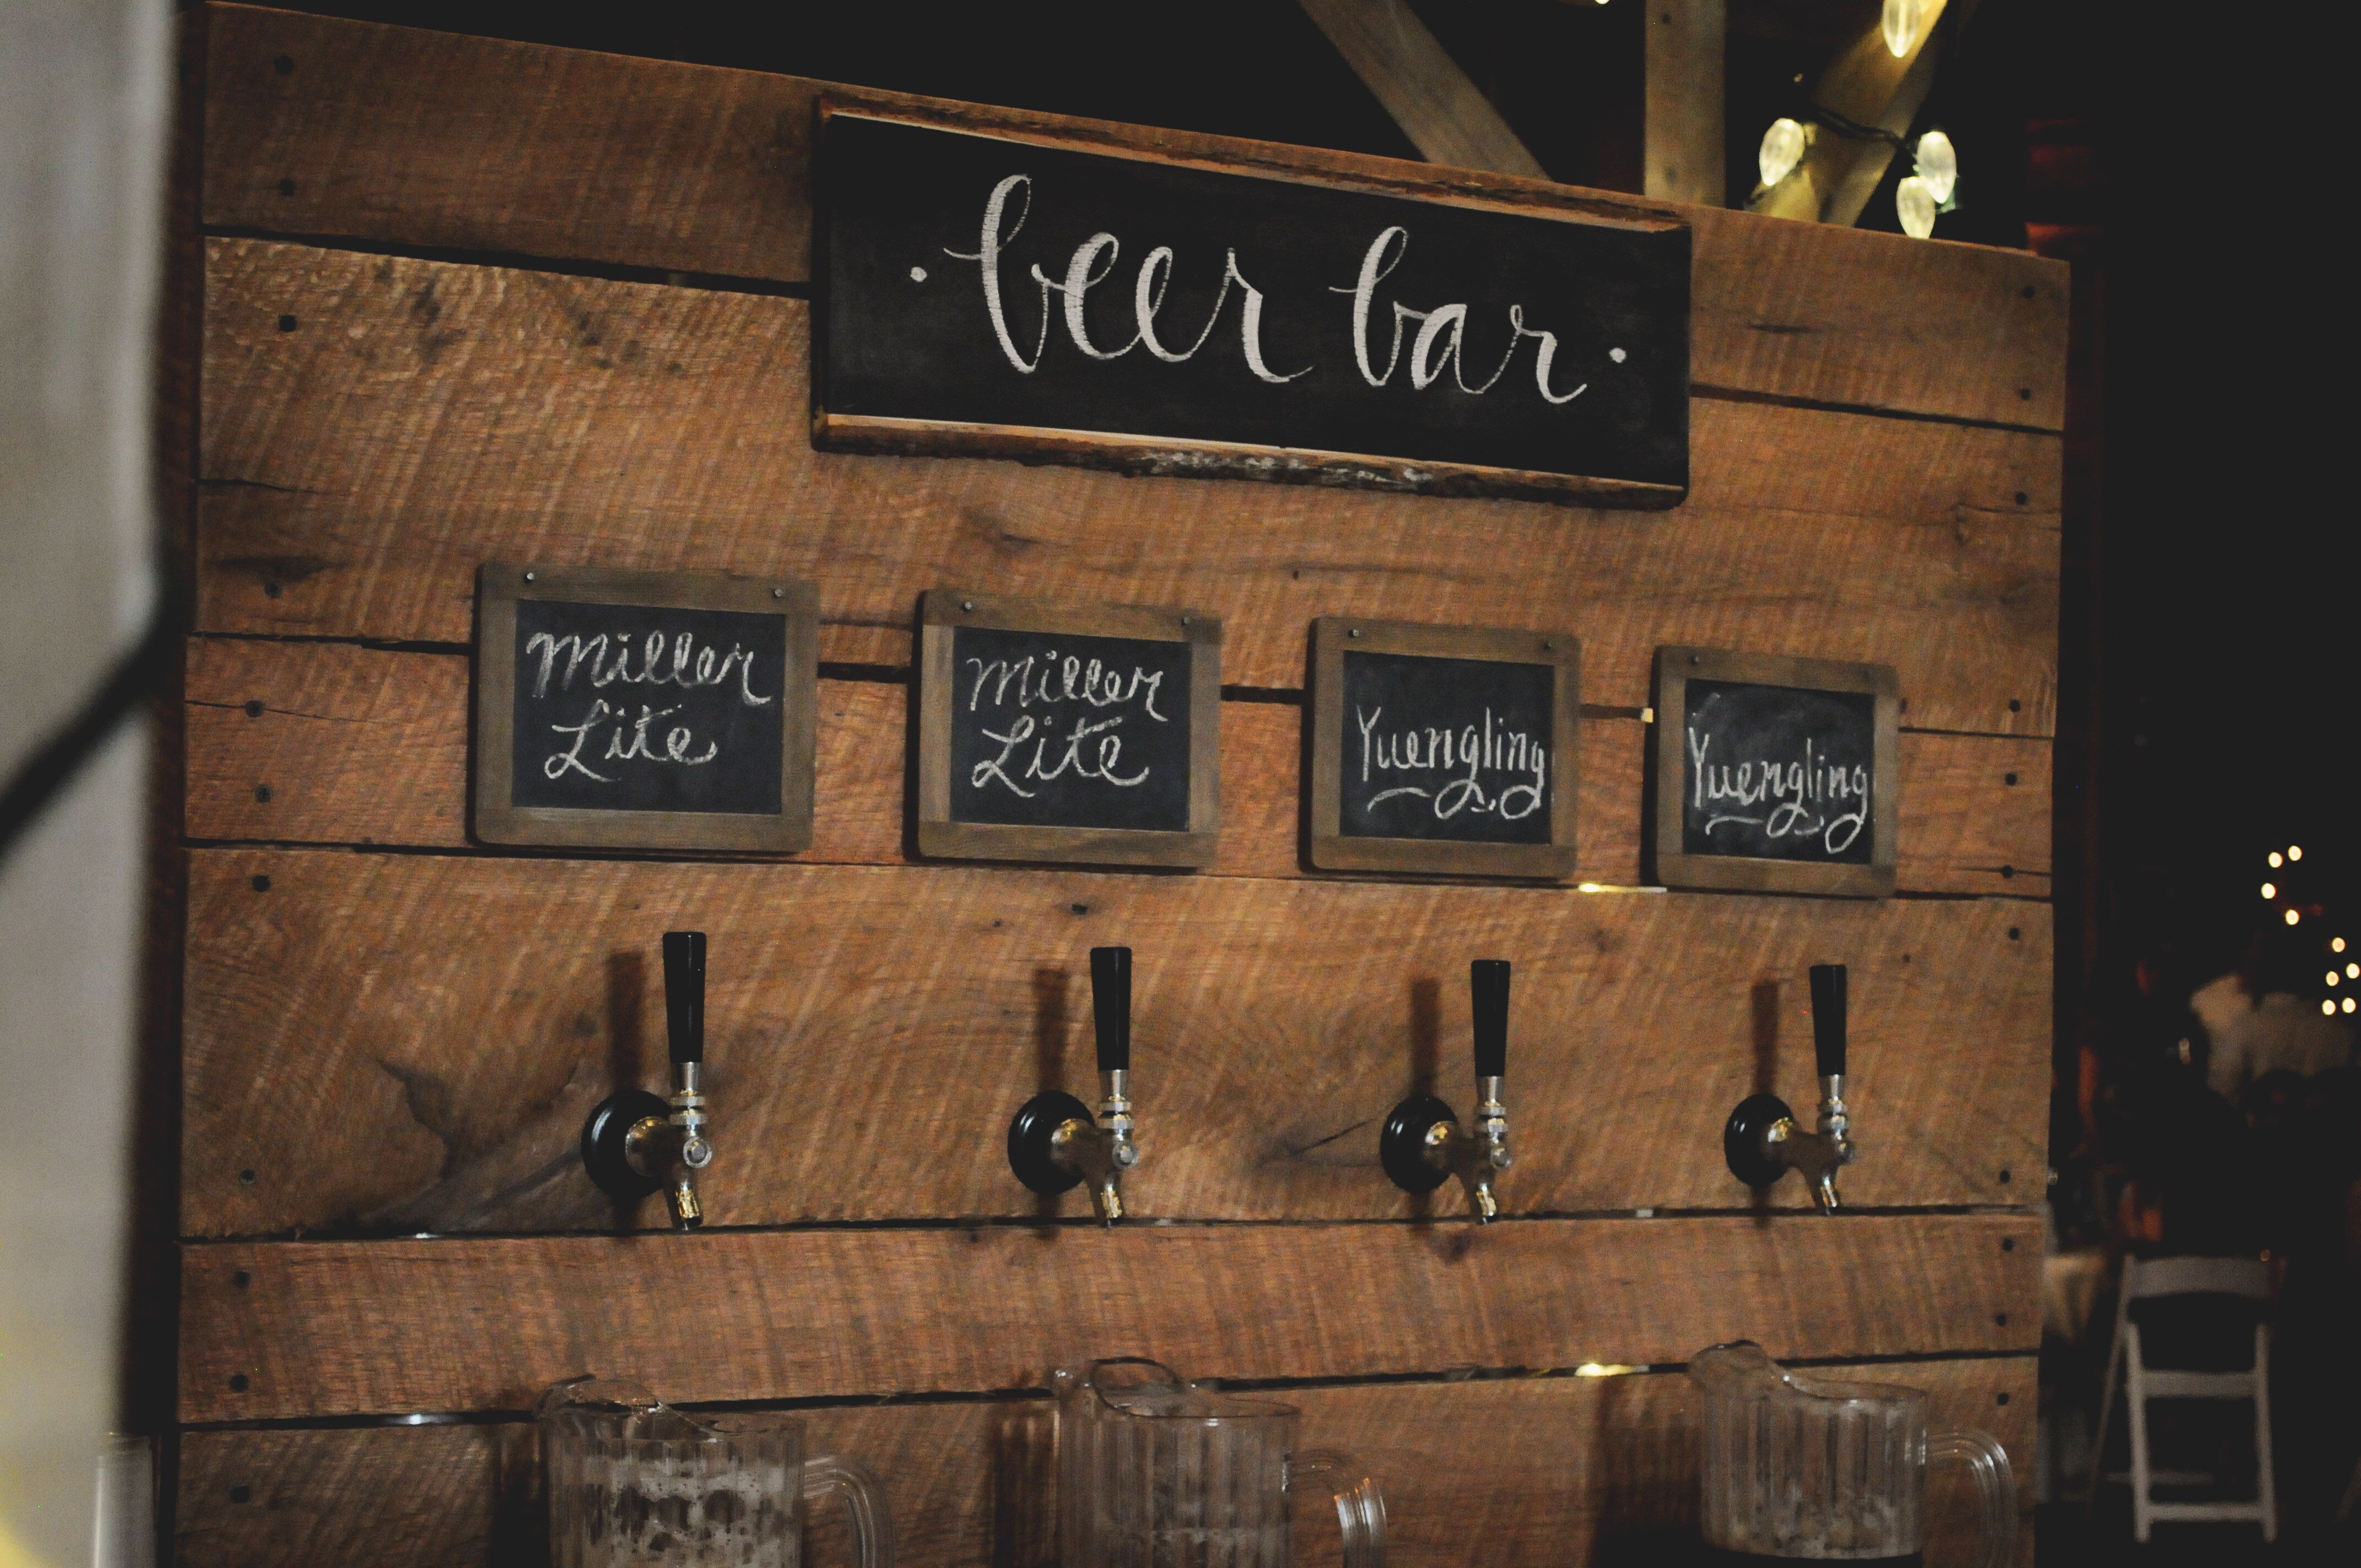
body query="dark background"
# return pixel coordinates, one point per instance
(2187, 160)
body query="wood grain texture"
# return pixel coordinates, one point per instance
(480, 1007)
(387, 1327)
(370, 746)
(1544, 1473)
(421, 417)
(429, 140)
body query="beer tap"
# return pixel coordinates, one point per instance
(1423, 1143)
(635, 1143)
(1763, 1142)
(1054, 1142)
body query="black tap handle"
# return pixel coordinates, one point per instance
(1110, 1003)
(683, 954)
(1829, 1017)
(1488, 983)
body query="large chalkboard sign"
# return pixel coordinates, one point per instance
(643, 710)
(1444, 749)
(1068, 732)
(1775, 774)
(987, 289)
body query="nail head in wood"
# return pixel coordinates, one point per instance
(254, 708)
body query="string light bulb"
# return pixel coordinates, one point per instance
(1938, 165)
(2292, 918)
(1781, 149)
(2336, 944)
(1915, 204)
(2270, 890)
(2276, 860)
(2352, 971)
(2295, 851)
(2334, 978)
(1900, 23)
(2347, 1005)
(2329, 1008)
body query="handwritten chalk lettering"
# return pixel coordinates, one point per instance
(1069, 730)
(1439, 345)
(1488, 748)
(1807, 795)
(984, 291)
(647, 708)
(674, 660)
(1776, 773)
(1049, 679)
(1438, 748)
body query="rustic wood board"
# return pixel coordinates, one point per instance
(282, 1330)
(1541, 1472)
(428, 140)
(370, 746)
(483, 1006)
(418, 417)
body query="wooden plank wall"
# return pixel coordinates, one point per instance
(465, 300)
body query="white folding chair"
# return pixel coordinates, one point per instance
(2187, 1276)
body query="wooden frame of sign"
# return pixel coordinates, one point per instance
(1012, 778)
(1594, 381)
(787, 635)
(1869, 874)
(1547, 853)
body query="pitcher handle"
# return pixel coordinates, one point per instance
(1360, 1504)
(865, 1506)
(1995, 1489)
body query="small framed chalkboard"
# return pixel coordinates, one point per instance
(643, 710)
(1068, 732)
(1775, 774)
(1444, 750)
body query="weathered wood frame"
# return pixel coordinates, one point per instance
(1326, 844)
(944, 610)
(1187, 458)
(1675, 667)
(495, 821)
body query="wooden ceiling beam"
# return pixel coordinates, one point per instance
(1444, 114)
(1683, 137)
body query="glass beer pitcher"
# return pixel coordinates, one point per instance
(1153, 1473)
(1809, 1469)
(633, 1483)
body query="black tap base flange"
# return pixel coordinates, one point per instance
(1402, 1147)
(603, 1136)
(1741, 1139)
(1030, 1154)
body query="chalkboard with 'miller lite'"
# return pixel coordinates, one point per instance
(1775, 774)
(1068, 732)
(1443, 750)
(643, 710)
(988, 288)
